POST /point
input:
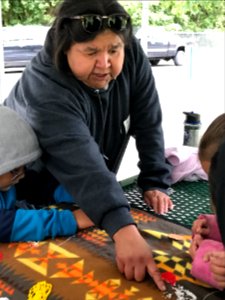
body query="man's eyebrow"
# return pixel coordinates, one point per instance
(114, 46)
(93, 49)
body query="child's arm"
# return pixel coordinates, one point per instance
(61, 195)
(82, 219)
(203, 269)
(7, 217)
(35, 225)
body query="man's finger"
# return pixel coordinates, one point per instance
(156, 276)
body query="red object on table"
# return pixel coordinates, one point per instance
(169, 277)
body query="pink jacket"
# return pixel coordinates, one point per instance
(201, 269)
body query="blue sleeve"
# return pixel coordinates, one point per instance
(37, 225)
(61, 195)
(6, 223)
(8, 198)
(7, 213)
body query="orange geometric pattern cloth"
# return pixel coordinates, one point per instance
(83, 267)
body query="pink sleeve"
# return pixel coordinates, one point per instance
(200, 268)
(214, 232)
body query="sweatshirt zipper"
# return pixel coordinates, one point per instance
(103, 122)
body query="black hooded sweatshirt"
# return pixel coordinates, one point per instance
(83, 132)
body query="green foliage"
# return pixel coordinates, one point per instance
(185, 15)
(134, 8)
(27, 11)
(206, 14)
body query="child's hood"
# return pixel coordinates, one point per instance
(18, 142)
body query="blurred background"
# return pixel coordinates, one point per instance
(184, 41)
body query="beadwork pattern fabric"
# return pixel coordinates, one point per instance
(83, 268)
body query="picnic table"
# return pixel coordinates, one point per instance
(82, 267)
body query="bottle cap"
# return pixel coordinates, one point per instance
(192, 118)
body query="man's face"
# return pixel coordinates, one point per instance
(11, 178)
(99, 61)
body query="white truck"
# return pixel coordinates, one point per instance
(161, 44)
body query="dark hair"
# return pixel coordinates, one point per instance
(208, 147)
(212, 179)
(65, 31)
(217, 187)
(212, 139)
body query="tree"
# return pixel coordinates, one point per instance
(192, 15)
(27, 11)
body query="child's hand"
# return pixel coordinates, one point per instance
(196, 241)
(201, 227)
(217, 266)
(83, 221)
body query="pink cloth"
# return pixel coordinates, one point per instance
(201, 269)
(185, 163)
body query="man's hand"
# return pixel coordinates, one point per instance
(134, 256)
(159, 201)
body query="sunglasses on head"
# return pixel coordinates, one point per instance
(94, 23)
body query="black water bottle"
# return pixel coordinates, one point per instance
(192, 125)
